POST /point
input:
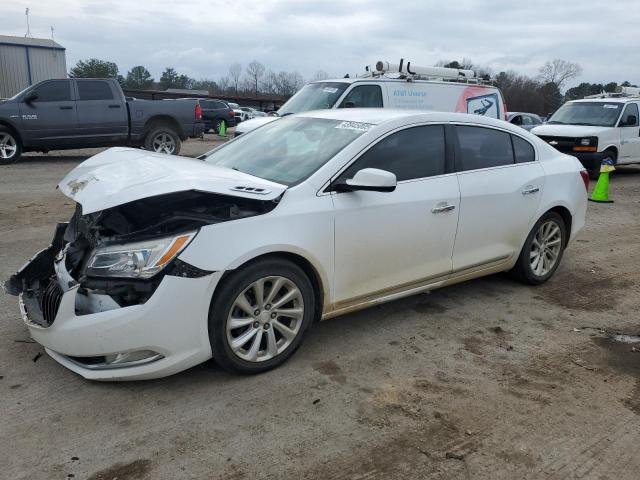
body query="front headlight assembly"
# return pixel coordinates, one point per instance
(136, 260)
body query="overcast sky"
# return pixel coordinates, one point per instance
(203, 37)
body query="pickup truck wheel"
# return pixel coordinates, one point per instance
(163, 140)
(10, 147)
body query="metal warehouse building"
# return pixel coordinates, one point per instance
(25, 61)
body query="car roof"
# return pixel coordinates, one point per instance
(377, 116)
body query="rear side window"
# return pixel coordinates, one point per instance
(94, 90)
(523, 150)
(364, 96)
(483, 148)
(56, 91)
(220, 105)
(415, 152)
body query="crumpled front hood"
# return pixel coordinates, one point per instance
(122, 175)
(575, 131)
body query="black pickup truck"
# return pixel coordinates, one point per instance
(92, 112)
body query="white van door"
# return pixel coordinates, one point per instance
(629, 127)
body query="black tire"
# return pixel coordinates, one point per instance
(157, 133)
(223, 301)
(8, 138)
(523, 270)
(594, 172)
(219, 123)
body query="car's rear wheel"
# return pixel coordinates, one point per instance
(163, 139)
(10, 147)
(260, 315)
(542, 251)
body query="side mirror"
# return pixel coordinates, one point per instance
(630, 121)
(30, 97)
(369, 179)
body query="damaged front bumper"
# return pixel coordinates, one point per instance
(88, 332)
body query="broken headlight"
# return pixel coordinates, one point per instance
(136, 260)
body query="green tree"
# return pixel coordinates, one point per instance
(138, 78)
(172, 79)
(94, 68)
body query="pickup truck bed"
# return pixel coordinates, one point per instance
(81, 113)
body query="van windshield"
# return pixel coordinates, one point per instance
(314, 96)
(596, 114)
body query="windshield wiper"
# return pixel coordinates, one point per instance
(555, 122)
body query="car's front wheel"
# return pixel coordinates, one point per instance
(10, 147)
(542, 251)
(260, 315)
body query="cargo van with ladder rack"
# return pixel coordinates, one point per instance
(400, 86)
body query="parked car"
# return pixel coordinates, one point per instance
(240, 114)
(303, 216)
(595, 129)
(215, 113)
(394, 89)
(524, 120)
(80, 113)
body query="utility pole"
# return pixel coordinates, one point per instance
(28, 34)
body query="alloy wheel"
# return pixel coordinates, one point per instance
(545, 248)
(164, 143)
(265, 319)
(8, 146)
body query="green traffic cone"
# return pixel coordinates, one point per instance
(601, 192)
(222, 131)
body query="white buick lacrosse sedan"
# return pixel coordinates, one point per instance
(170, 261)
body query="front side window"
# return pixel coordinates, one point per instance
(314, 96)
(416, 152)
(94, 90)
(631, 109)
(483, 148)
(363, 96)
(289, 150)
(55, 91)
(597, 114)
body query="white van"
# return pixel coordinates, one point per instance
(593, 129)
(396, 86)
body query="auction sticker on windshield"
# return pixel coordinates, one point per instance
(362, 127)
(329, 89)
(606, 105)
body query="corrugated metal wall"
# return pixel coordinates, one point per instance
(14, 72)
(14, 75)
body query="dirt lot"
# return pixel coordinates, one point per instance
(488, 379)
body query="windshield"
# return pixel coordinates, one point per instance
(314, 96)
(597, 114)
(289, 150)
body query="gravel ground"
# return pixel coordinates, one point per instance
(486, 380)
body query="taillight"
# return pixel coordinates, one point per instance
(198, 112)
(231, 112)
(585, 178)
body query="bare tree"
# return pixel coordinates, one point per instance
(269, 83)
(559, 71)
(224, 83)
(320, 75)
(255, 71)
(235, 71)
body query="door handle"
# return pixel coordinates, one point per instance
(530, 190)
(442, 208)
(114, 106)
(66, 107)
